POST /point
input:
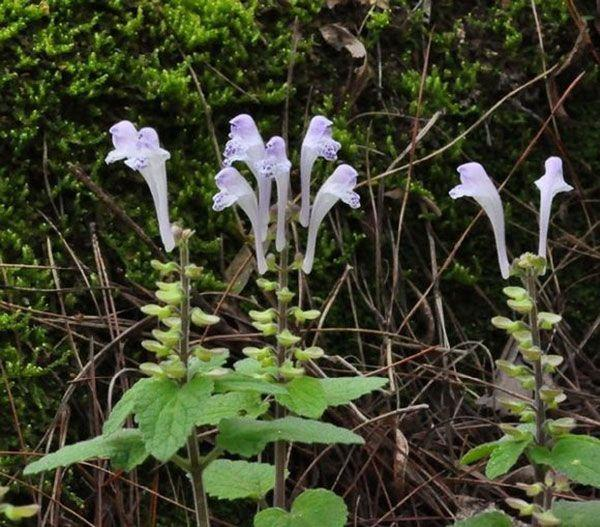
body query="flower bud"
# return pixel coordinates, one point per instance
(312, 353)
(258, 354)
(531, 490)
(154, 310)
(271, 262)
(160, 350)
(302, 316)
(268, 315)
(561, 483)
(513, 406)
(18, 512)
(172, 322)
(202, 319)
(523, 305)
(524, 338)
(525, 508)
(527, 416)
(217, 372)
(529, 264)
(546, 519)
(284, 294)
(288, 371)
(152, 370)
(548, 320)
(168, 338)
(549, 394)
(266, 285)
(193, 272)
(267, 329)
(172, 296)
(551, 362)
(557, 427)
(286, 338)
(164, 269)
(531, 354)
(174, 368)
(527, 382)
(516, 293)
(512, 370)
(514, 432)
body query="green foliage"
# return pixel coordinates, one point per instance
(124, 407)
(577, 514)
(241, 383)
(504, 457)
(486, 519)
(248, 437)
(312, 507)
(233, 480)
(577, 456)
(305, 397)
(232, 404)
(342, 390)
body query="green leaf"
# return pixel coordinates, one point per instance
(167, 412)
(478, 452)
(248, 437)
(124, 407)
(235, 382)
(311, 508)
(305, 397)
(504, 456)
(486, 519)
(577, 456)
(343, 390)
(577, 514)
(232, 404)
(125, 446)
(233, 480)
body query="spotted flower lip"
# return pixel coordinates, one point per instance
(318, 142)
(141, 151)
(276, 165)
(475, 183)
(338, 186)
(246, 145)
(550, 184)
(234, 189)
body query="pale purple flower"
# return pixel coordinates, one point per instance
(339, 186)
(246, 144)
(318, 142)
(233, 189)
(550, 184)
(276, 165)
(142, 152)
(475, 183)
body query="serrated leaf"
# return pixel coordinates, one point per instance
(168, 412)
(124, 407)
(504, 456)
(478, 452)
(577, 456)
(233, 480)
(342, 390)
(232, 404)
(577, 514)
(311, 508)
(305, 397)
(486, 519)
(248, 437)
(235, 382)
(125, 446)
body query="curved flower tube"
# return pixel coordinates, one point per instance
(233, 188)
(276, 165)
(141, 152)
(550, 184)
(475, 183)
(318, 142)
(245, 144)
(339, 186)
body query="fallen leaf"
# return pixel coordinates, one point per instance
(340, 37)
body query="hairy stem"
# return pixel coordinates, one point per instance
(280, 446)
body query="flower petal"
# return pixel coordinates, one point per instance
(124, 137)
(318, 142)
(338, 186)
(550, 184)
(475, 183)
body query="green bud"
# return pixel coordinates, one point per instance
(284, 295)
(164, 268)
(546, 519)
(172, 323)
(167, 286)
(152, 370)
(302, 316)
(525, 508)
(202, 319)
(266, 285)
(193, 272)
(157, 348)
(174, 368)
(527, 416)
(286, 338)
(516, 293)
(551, 362)
(154, 310)
(524, 305)
(514, 432)
(312, 353)
(561, 483)
(268, 329)
(549, 394)
(548, 320)
(168, 338)
(268, 315)
(531, 354)
(17, 512)
(512, 370)
(288, 371)
(529, 264)
(513, 406)
(173, 296)
(524, 338)
(271, 262)
(531, 490)
(528, 382)
(557, 427)
(217, 372)
(258, 353)
(296, 265)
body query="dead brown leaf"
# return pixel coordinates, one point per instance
(340, 37)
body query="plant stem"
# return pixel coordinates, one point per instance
(280, 446)
(200, 502)
(544, 499)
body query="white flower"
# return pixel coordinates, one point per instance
(475, 183)
(339, 186)
(141, 151)
(233, 189)
(318, 142)
(550, 184)
(276, 165)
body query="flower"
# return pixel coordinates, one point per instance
(276, 165)
(141, 151)
(233, 188)
(339, 186)
(318, 142)
(550, 184)
(246, 144)
(475, 183)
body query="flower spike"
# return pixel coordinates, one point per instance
(276, 165)
(246, 144)
(318, 142)
(550, 184)
(475, 183)
(142, 152)
(233, 188)
(339, 186)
